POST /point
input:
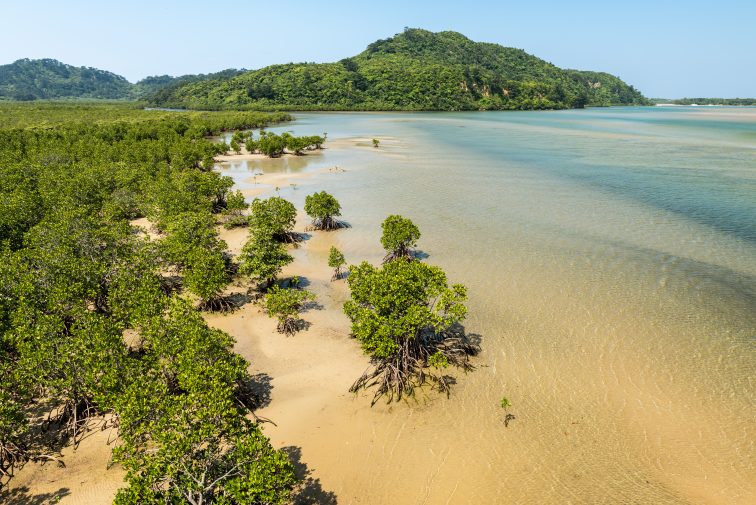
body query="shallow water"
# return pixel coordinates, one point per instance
(610, 256)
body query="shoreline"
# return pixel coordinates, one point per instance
(595, 324)
(301, 374)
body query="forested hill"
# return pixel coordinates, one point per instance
(414, 70)
(153, 84)
(48, 79)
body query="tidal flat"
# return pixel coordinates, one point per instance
(610, 256)
(610, 259)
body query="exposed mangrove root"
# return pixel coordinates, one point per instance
(402, 252)
(219, 304)
(11, 456)
(289, 237)
(409, 367)
(327, 224)
(73, 418)
(235, 221)
(289, 326)
(170, 284)
(337, 273)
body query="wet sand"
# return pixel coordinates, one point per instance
(616, 317)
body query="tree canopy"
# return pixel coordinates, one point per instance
(407, 319)
(285, 305)
(262, 258)
(93, 324)
(273, 216)
(322, 207)
(413, 70)
(399, 236)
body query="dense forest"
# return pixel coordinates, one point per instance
(49, 79)
(163, 83)
(414, 70)
(98, 324)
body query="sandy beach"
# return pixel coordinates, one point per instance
(306, 377)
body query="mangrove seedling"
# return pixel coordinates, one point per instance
(336, 261)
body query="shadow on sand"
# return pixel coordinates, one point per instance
(21, 496)
(309, 491)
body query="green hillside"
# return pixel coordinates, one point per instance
(414, 70)
(49, 79)
(156, 83)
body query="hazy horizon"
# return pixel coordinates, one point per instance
(664, 51)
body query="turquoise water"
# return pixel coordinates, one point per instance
(610, 256)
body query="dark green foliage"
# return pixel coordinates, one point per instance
(80, 366)
(185, 437)
(234, 211)
(262, 258)
(35, 79)
(274, 217)
(186, 232)
(399, 236)
(407, 319)
(207, 275)
(50, 79)
(323, 208)
(135, 290)
(271, 145)
(158, 84)
(336, 261)
(285, 305)
(76, 279)
(414, 70)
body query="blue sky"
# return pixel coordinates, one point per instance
(664, 48)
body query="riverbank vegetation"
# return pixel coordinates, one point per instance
(399, 236)
(101, 322)
(98, 323)
(49, 79)
(407, 319)
(323, 208)
(414, 70)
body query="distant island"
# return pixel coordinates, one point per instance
(705, 101)
(414, 70)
